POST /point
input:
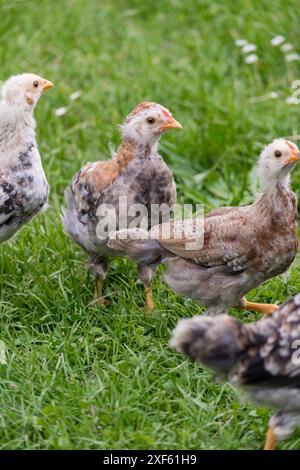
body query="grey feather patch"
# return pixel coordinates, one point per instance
(143, 251)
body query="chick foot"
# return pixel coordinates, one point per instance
(102, 302)
(266, 309)
(99, 300)
(271, 440)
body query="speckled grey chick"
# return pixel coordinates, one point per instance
(262, 358)
(136, 176)
(23, 184)
(235, 249)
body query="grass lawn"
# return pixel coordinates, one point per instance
(77, 377)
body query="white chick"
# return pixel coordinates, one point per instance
(23, 184)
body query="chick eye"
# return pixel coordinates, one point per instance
(35, 84)
(277, 154)
(150, 120)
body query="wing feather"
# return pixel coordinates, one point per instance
(222, 240)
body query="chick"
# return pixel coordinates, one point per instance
(241, 246)
(23, 184)
(262, 358)
(136, 172)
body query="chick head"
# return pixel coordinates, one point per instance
(276, 161)
(147, 122)
(24, 90)
(213, 341)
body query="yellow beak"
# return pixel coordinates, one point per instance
(171, 124)
(47, 85)
(294, 158)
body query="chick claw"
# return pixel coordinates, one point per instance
(101, 302)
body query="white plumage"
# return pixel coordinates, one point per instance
(23, 184)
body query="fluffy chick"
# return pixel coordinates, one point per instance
(261, 358)
(136, 172)
(23, 184)
(238, 247)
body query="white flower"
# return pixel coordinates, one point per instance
(60, 111)
(277, 40)
(251, 58)
(240, 42)
(292, 100)
(249, 48)
(292, 57)
(274, 95)
(2, 353)
(287, 47)
(75, 95)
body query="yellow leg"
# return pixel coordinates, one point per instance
(99, 300)
(149, 305)
(267, 309)
(271, 440)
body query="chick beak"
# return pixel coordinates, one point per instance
(170, 124)
(293, 158)
(47, 85)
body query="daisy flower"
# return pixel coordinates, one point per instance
(251, 58)
(60, 111)
(277, 40)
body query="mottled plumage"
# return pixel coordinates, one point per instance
(241, 246)
(23, 184)
(136, 172)
(262, 358)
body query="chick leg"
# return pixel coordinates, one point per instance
(266, 309)
(99, 300)
(271, 440)
(149, 305)
(99, 267)
(146, 274)
(281, 426)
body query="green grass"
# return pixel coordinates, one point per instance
(77, 377)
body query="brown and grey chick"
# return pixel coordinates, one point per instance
(137, 175)
(262, 358)
(218, 260)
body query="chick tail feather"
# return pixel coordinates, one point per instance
(71, 223)
(217, 342)
(68, 214)
(137, 245)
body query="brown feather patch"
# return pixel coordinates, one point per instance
(103, 174)
(143, 106)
